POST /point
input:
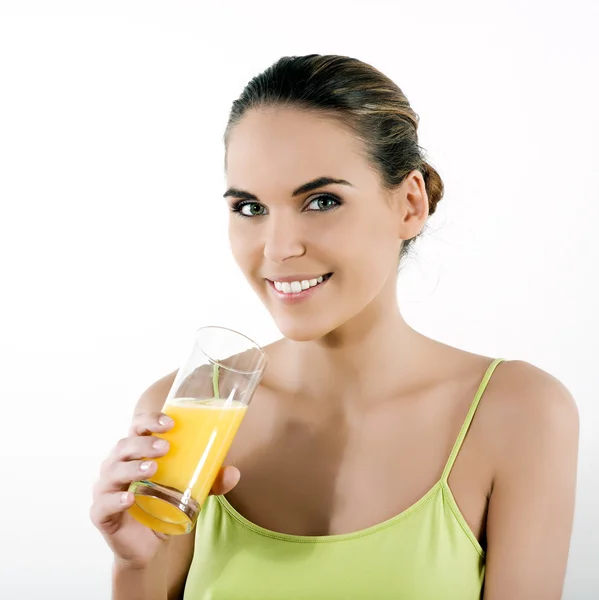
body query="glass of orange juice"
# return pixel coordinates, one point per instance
(208, 400)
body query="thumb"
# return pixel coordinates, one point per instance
(225, 481)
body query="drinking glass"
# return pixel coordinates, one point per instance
(207, 401)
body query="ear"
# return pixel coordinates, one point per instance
(411, 202)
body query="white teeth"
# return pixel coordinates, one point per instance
(295, 287)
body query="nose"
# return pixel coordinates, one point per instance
(284, 239)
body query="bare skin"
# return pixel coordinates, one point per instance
(357, 412)
(342, 461)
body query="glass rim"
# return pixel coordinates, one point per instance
(220, 364)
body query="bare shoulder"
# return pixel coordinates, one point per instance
(153, 397)
(531, 394)
(526, 405)
(521, 401)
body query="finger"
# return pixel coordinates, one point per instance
(226, 480)
(132, 448)
(147, 423)
(108, 506)
(123, 474)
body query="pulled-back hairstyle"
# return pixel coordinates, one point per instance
(361, 98)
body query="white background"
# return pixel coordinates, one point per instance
(113, 242)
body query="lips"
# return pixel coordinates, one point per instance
(298, 285)
(294, 290)
(296, 277)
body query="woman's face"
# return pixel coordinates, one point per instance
(312, 230)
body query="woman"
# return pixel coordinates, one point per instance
(373, 467)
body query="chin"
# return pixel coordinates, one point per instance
(301, 333)
(299, 330)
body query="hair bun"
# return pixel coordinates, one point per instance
(434, 187)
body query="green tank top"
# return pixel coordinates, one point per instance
(425, 552)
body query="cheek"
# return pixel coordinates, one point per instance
(247, 252)
(240, 243)
(369, 247)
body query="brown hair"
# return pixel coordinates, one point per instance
(363, 99)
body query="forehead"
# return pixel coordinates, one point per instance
(285, 147)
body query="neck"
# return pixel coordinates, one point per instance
(371, 356)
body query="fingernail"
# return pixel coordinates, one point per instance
(146, 465)
(164, 420)
(160, 444)
(125, 498)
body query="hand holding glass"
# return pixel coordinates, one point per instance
(207, 402)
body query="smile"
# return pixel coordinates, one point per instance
(299, 289)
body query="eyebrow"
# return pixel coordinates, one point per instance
(302, 189)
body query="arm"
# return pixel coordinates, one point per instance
(164, 578)
(531, 507)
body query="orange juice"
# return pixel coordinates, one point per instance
(199, 442)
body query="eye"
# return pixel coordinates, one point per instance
(249, 209)
(323, 203)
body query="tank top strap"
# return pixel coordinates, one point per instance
(468, 421)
